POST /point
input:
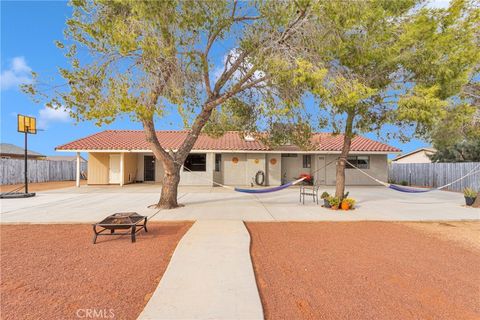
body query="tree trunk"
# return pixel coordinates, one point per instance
(172, 162)
(476, 204)
(171, 178)
(168, 197)
(347, 141)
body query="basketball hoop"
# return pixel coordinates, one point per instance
(26, 125)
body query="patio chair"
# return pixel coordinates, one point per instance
(312, 191)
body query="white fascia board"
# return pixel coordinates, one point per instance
(233, 151)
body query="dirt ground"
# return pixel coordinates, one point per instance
(55, 272)
(465, 233)
(41, 186)
(364, 270)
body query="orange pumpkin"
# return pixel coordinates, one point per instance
(345, 205)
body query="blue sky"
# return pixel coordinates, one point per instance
(28, 32)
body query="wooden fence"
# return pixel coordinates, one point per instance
(436, 174)
(12, 170)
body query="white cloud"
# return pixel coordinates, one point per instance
(233, 56)
(18, 73)
(48, 115)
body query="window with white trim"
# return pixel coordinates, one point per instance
(195, 162)
(361, 162)
(307, 161)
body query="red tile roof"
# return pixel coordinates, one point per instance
(230, 141)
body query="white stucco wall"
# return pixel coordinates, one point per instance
(242, 173)
(255, 162)
(378, 169)
(234, 173)
(292, 167)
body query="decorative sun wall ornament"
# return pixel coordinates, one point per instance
(235, 160)
(273, 161)
(256, 161)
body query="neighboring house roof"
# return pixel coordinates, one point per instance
(11, 149)
(426, 150)
(65, 158)
(230, 141)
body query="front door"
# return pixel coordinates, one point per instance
(149, 168)
(114, 171)
(320, 171)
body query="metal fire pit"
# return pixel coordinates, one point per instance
(130, 221)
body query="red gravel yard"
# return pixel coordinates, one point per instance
(363, 270)
(55, 272)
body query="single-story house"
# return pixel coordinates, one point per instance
(11, 151)
(124, 156)
(421, 155)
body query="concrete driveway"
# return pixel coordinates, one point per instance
(91, 204)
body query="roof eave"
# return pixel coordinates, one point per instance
(225, 151)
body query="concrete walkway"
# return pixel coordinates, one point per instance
(210, 276)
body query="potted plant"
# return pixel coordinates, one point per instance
(325, 197)
(348, 203)
(470, 196)
(334, 202)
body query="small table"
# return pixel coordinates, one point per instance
(120, 221)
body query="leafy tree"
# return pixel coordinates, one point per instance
(466, 151)
(389, 62)
(144, 58)
(457, 136)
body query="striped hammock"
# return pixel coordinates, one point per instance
(273, 189)
(396, 187)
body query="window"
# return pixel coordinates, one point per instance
(307, 161)
(289, 155)
(218, 162)
(361, 162)
(195, 162)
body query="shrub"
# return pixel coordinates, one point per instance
(404, 183)
(334, 201)
(470, 193)
(324, 195)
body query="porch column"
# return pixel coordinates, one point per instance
(77, 176)
(122, 170)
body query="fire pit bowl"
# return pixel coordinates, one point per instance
(120, 221)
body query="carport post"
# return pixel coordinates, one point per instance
(122, 164)
(77, 177)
